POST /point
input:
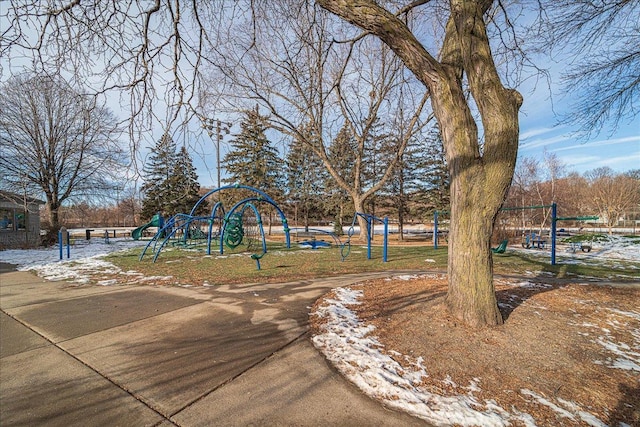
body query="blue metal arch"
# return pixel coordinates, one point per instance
(270, 201)
(228, 187)
(264, 197)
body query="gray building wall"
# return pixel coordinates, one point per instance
(19, 229)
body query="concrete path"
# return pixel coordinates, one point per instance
(162, 356)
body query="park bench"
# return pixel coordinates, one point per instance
(534, 241)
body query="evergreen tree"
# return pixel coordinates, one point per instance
(157, 173)
(342, 154)
(253, 160)
(438, 173)
(379, 150)
(183, 186)
(306, 178)
(430, 185)
(420, 184)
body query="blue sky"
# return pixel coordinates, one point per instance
(540, 114)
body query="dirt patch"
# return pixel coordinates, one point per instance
(562, 347)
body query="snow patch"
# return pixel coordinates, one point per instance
(351, 346)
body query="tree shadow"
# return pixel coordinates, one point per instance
(628, 410)
(522, 290)
(387, 305)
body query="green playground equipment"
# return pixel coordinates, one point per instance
(501, 248)
(156, 221)
(241, 225)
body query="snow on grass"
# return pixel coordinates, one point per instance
(85, 259)
(568, 409)
(356, 352)
(614, 252)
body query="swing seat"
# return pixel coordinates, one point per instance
(501, 248)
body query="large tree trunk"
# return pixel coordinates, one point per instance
(471, 295)
(54, 221)
(479, 180)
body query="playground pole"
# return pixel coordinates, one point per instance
(62, 233)
(386, 239)
(222, 229)
(210, 224)
(287, 237)
(554, 218)
(435, 230)
(369, 226)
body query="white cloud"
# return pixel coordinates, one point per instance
(602, 143)
(528, 145)
(530, 133)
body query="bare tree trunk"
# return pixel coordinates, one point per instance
(479, 180)
(471, 294)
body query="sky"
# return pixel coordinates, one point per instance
(540, 130)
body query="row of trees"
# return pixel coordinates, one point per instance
(613, 197)
(418, 183)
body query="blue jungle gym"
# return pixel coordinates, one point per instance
(242, 224)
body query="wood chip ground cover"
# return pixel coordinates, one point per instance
(568, 354)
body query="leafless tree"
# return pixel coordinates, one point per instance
(148, 52)
(288, 61)
(481, 169)
(614, 195)
(524, 178)
(56, 141)
(602, 40)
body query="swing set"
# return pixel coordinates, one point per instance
(533, 240)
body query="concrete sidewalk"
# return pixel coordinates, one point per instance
(160, 355)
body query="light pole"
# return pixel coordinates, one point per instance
(220, 127)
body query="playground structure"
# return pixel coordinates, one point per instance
(156, 221)
(345, 248)
(241, 225)
(532, 239)
(370, 220)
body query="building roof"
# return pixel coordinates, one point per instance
(17, 199)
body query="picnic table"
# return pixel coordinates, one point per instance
(534, 241)
(584, 247)
(539, 242)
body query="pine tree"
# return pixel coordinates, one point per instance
(437, 173)
(342, 154)
(306, 178)
(156, 176)
(429, 182)
(183, 186)
(253, 160)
